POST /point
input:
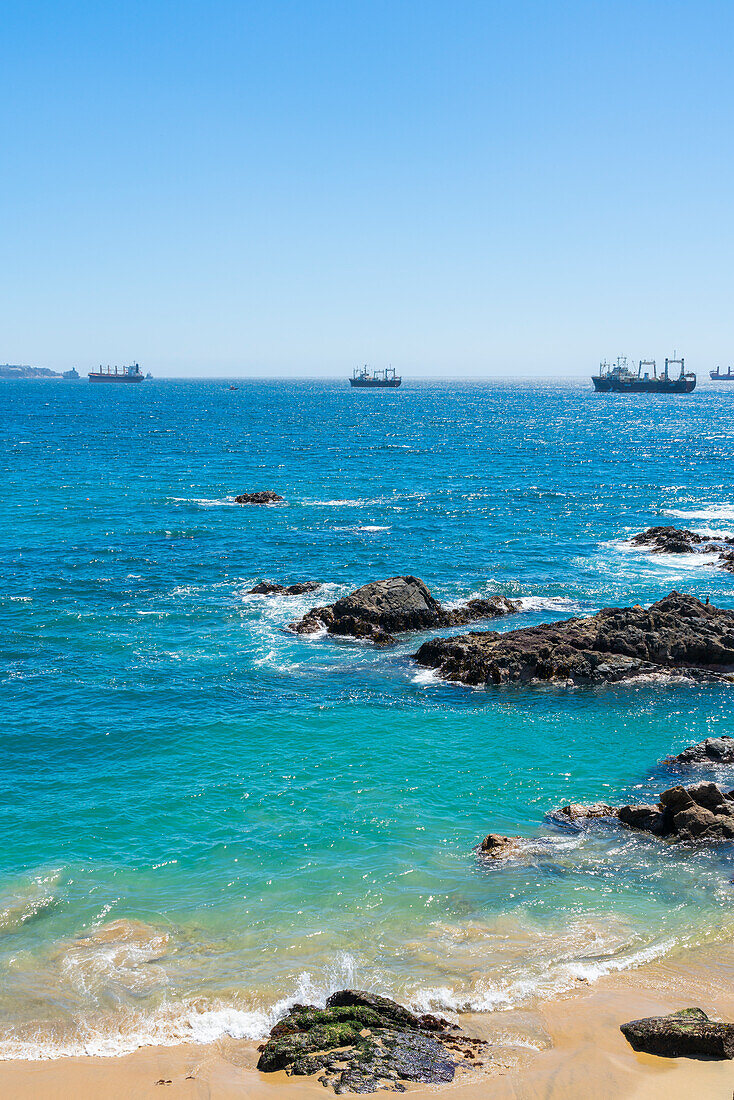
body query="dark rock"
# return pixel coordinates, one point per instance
(378, 610)
(266, 496)
(648, 819)
(686, 1034)
(678, 634)
(495, 846)
(673, 540)
(361, 1042)
(713, 750)
(669, 540)
(269, 588)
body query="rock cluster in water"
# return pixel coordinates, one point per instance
(675, 540)
(265, 496)
(699, 812)
(711, 751)
(271, 588)
(378, 610)
(685, 1034)
(678, 634)
(362, 1042)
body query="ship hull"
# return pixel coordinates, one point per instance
(603, 384)
(124, 378)
(721, 377)
(375, 384)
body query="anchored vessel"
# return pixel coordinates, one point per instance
(376, 379)
(132, 373)
(717, 376)
(621, 378)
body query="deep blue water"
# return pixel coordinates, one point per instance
(204, 814)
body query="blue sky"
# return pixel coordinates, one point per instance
(282, 187)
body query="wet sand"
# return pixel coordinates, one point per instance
(569, 1048)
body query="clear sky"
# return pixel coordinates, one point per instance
(288, 187)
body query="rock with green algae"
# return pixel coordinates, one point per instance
(361, 1042)
(685, 1034)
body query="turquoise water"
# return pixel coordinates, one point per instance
(205, 815)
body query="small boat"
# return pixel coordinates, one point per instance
(132, 373)
(717, 376)
(234, 387)
(621, 378)
(376, 379)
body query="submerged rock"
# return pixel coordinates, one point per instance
(380, 609)
(362, 1042)
(576, 811)
(678, 634)
(713, 750)
(495, 846)
(675, 540)
(265, 496)
(685, 1034)
(270, 588)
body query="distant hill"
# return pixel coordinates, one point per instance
(8, 372)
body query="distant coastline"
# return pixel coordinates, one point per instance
(8, 373)
(12, 373)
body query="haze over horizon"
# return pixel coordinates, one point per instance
(298, 188)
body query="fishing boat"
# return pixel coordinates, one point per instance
(132, 373)
(621, 378)
(717, 376)
(375, 380)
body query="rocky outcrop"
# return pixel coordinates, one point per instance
(266, 496)
(378, 610)
(701, 812)
(669, 540)
(270, 588)
(711, 751)
(678, 540)
(361, 1042)
(686, 1034)
(678, 634)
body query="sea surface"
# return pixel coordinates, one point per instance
(205, 816)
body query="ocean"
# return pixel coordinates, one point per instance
(206, 816)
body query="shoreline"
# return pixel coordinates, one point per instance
(566, 1048)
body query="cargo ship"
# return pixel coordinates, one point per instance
(376, 379)
(132, 373)
(621, 378)
(717, 376)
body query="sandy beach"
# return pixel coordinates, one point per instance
(583, 1052)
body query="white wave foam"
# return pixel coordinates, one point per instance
(707, 511)
(186, 1021)
(342, 503)
(551, 603)
(678, 562)
(550, 982)
(207, 502)
(372, 527)
(426, 676)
